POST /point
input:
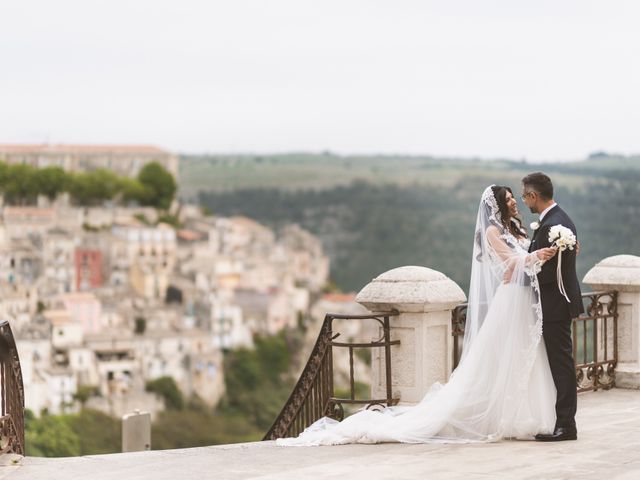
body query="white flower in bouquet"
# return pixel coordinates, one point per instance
(562, 237)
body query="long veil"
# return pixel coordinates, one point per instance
(502, 386)
(489, 262)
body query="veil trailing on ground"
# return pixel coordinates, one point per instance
(502, 386)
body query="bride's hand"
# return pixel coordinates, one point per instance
(545, 254)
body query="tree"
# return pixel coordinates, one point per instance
(161, 184)
(196, 427)
(80, 189)
(104, 183)
(169, 219)
(99, 433)
(258, 381)
(51, 436)
(4, 170)
(132, 191)
(51, 181)
(85, 392)
(19, 184)
(166, 387)
(93, 188)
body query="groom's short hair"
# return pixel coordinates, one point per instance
(541, 183)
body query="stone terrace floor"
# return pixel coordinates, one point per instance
(608, 447)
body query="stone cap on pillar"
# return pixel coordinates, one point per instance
(411, 289)
(620, 272)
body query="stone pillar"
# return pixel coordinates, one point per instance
(424, 299)
(622, 273)
(136, 432)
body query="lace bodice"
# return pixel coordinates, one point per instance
(524, 243)
(506, 252)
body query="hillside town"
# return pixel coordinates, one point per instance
(105, 298)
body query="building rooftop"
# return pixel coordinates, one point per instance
(80, 148)
(339, 297)
(189, 235)
(32, 211)
(608, 447)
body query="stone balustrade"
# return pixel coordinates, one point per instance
(424, 299)
(622, 273)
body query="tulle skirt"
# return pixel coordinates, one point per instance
(502, 388)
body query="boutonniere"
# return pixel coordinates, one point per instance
(534, 226)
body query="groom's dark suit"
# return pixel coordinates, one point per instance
(557, 314)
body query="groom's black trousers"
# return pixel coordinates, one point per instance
(557, 339)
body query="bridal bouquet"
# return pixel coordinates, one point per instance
(563, 238)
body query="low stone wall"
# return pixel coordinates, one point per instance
(424, 299)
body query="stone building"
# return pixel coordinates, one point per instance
(125, 160)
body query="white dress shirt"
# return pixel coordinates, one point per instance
(544, 212)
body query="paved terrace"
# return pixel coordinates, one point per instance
(608, 447)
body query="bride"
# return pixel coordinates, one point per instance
(502, 387)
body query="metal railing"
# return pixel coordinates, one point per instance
(595, 350)
(595, 340)
(314, 397)
(458, 319)
(11, 393)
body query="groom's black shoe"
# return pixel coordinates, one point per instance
(558, 435)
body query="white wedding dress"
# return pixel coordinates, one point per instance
(502, 387)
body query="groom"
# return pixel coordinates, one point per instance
(537, 194)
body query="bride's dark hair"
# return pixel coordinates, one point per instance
(511, 223)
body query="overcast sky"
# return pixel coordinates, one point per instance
(531, 79)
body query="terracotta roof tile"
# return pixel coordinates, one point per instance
(339, 297)
(189, 235)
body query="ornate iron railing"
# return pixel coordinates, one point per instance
(11, 393)
(595, 340)
(458, 319)
(314, 397)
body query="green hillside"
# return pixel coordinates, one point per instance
(376, 213)
(323, 171)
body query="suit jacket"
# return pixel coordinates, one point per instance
(554, 306)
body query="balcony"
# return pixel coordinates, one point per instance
(608, 447)
(608, 416)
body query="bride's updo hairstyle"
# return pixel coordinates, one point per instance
(513, 224)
